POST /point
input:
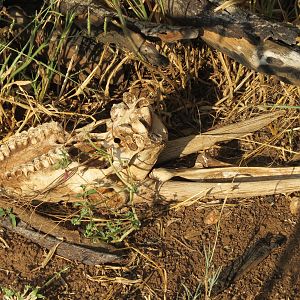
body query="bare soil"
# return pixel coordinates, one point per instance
(172, 243)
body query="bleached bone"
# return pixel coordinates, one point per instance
(185, 191)
(21, 148)
(194, 143)
(44, 165)
(229, 173)
(218, 183)
(41, 162)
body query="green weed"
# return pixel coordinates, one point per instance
(188, 295)
(29, 293)
(211, 272)
(63, 162)
(7, 212)
(113, 230)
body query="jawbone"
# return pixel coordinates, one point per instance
(49, 164)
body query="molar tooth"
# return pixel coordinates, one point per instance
(37, 164)
(55, 154)
(5, 150)
(23, 141)
(31, 130)
(47, 128)
(46, 131)
(44, 161)
(52, 154)
(50, 158)
(12, 144)
(30, 168)
(54, 126)
(20, 143)
(33, 140)
(8, 175)
(40, 134)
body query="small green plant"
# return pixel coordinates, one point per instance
(211, 272)
(188, 295)
(63, 162)
(7, 212)
(86, 192)
(117, 230)
(114, 230)
(85, 211)
(29, 293)
(86, 208)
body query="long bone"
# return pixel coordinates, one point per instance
(185, 191)
(225, 182)
(226, 173)
(194, 143)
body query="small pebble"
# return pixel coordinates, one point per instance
(295, 205)
(212, 217)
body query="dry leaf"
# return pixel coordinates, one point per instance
(212, 217)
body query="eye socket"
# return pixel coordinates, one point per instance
(274, 61)
(117, 140)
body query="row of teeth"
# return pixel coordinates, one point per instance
(32, 136)
(41, 162)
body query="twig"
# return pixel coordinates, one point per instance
(64, 249)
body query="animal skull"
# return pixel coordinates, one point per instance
(48, 163)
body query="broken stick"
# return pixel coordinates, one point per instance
(70, 251)
(259, 44)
